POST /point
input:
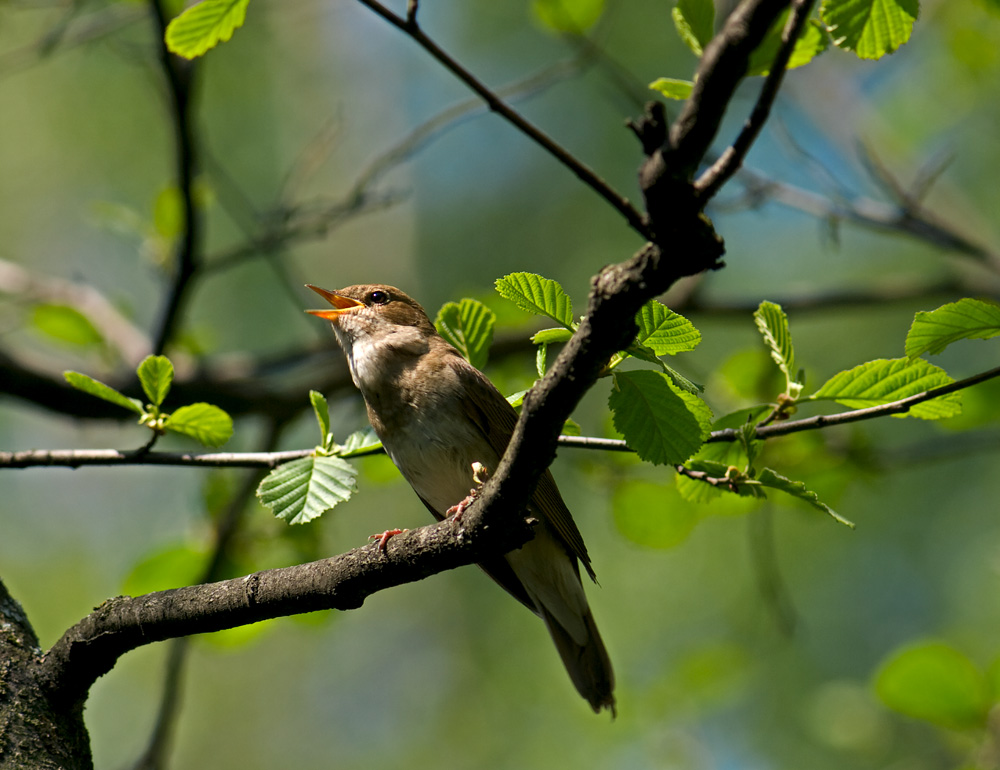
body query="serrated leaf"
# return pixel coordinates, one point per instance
(541, 356)
(322, 411)
(205, 423)
(672, 88)
(205, 25)
(643, 513)
(773, 326)
(360, 442)
(812, 42)
(769, 478)
(573, 16)
(468, 325)
(538, 295)
(65, 324)
(885, 380)
(301, 490)
(102, 391)
(665, 332)
(936, 683)
(660, 422)
(694, 21)
(933, 331)
(870, 28)
(156, 374)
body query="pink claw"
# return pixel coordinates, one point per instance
(383, 538)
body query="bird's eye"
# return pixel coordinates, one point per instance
(378, 297)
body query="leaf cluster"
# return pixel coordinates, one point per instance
(870, 29)
(206, 423)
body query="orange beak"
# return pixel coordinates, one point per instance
(340, 304)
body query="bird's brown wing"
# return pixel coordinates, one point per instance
(489, 411)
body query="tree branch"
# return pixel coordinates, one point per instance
(589, 177)
(179, 75)
(732, 158)
(90, 649)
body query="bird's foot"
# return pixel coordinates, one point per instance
(480, 475)
(383, 537)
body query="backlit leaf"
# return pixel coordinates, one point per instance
(931, 332)
(205, 25)
(156, 373)
(885, 380)
(102, 391)
(203, 422)
(468, 325)
(539, 295)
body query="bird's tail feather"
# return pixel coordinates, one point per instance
(588, 663)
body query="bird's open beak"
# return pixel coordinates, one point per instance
(340, 304)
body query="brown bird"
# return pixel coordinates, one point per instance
(436, 416)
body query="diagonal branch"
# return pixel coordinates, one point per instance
(587, 175)
(732, 158)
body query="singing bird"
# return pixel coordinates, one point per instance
(437, 416)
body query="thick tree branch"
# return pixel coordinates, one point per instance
(90, 648)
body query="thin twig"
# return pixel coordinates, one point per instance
(732, 158)
(225, 529)
(496, 104)
(76, 458)
(901, 406)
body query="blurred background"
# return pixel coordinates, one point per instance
(334, 151)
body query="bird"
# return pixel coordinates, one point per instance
(442, 421)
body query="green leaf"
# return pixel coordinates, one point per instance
(773, 326)
(673, 88)
(541, 356)
(573, 16)
(933, 331)
(168, 212)
(538, 295)
(812, 42)
(156, 373)
(660, 422)
(65, 324)
(714, 459)
(99, 389)
(205, 25)
(322, 410)
(769, 478)
(694, 21)
(301, 490)
(360, 442)
(885, 380)
(649, 515)
(934, 682)
(175, 565)
(665, 332)
(870, 28)
(548, 336)
(203, 422)
(468, 325)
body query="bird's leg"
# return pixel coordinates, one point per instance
(383, 538)
(480, 475)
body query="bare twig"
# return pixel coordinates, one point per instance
(496, 104)
(732, 158)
